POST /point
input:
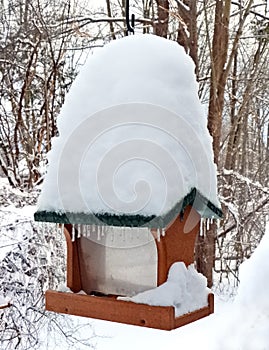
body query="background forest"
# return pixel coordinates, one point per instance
(43, 45)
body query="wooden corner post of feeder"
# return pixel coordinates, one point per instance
(118, 251)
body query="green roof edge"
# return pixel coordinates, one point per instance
(202, 205)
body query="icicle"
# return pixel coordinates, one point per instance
(158, 235)
(201, 232)
(218, 224)
(163, 232)
(98, 233)
(43, 228)
(73, 233)
(62, 229)
(211, 221)
(79, 231)
(84, 231)
(207, 224)
(102, 231)
(88, 230)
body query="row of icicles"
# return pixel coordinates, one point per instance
(81, 230)
(205, 224)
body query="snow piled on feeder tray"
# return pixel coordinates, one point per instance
(133, 133)
(185, 289)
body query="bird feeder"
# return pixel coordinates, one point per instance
(115, 249)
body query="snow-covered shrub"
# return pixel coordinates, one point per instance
(32, 259)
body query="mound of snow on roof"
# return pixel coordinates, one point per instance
(133, 133)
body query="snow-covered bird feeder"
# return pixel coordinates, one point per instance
(130, 179)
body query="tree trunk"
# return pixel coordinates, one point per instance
(111, 25)
(161, 27)
(205, 250)
(187, 29)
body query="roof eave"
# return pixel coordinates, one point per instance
(203, 206)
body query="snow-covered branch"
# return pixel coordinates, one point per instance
(246, 180)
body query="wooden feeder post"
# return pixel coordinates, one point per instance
(176, 245)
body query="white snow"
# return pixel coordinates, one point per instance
(254, 277)
(185, 289)
(133, 133)
(3, 302)
(245, 325)
(63, 288)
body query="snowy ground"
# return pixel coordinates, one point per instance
(201, 334)
(239, 324)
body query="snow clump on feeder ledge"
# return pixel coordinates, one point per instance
(185, 289)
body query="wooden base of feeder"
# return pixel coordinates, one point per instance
(110, 309)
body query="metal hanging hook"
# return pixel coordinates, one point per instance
(130, 26)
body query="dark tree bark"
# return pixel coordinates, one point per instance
(161, 27)
(205, 249)
(187, 29)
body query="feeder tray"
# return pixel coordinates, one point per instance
(110, 309)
